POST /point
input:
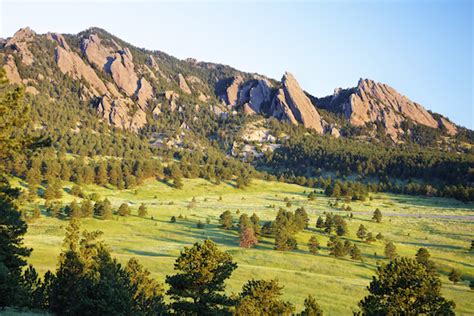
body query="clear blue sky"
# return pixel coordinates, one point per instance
(421, 48)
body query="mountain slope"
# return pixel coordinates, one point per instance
(129, 86)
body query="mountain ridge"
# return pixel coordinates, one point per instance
(126, 83)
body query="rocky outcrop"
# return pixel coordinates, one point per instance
(144, 93)
(372, 102)
(120, 112)
(183, 85)
(254, 95)
(11, 70)
(96, 53)
(123, 73)
(19, 42)
(232, 91)
(292, 104)
(451, 129)
(71, 63)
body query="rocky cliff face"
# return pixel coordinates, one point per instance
(291, 103)
(125, 83)
(373, 102)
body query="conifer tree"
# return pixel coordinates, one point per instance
(412, 291)
(142, 210)
(313, 245)
(390, 250)
(311, 307)
(198, 286)
(225, 219)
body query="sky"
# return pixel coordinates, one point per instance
(423, 49)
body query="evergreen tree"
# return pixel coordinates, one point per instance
(87, 208)
(313, 245)
(261, 297)
(355, 253)
(311, 307)
(244, 222)
(74, 210)
(198, 286)
(362, 232)
(301, 218)
(370, 238)
(337, 250)
(320, 222)
(101, 176)
(390, 250)
(412, 290)
(36, 212)
(377, 216)
(225, 219)
(147, 294)
(124, 209)
(256, 224)
(454, 276)
(142, 210)
(423, 258)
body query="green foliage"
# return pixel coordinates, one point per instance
(313, 245)
(454, 276)
(261, 297)
(405, 287)
(198, 285)
(225, 220)
(142, 210)
(390, 250)
(311, 307)
(377, 217)
(124, 209)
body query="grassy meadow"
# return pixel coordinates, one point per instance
(444, 226)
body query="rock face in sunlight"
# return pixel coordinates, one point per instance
(292, 104)
(125, 83)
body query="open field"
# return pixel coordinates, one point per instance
(445, 227)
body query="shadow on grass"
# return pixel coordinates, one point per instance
(147, 253)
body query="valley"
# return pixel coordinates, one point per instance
(337, 283)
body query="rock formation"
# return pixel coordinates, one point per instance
(96, 53)
(71, 63)
(11, 70)
(232, 91)
(292, 104)
(372, 102)
(19, 42)
(183, 85)
(123, 73)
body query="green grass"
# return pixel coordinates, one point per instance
(338, 284)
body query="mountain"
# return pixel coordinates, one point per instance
(128, 87)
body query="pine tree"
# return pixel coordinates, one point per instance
(142, 210)
(423, 258)
(244, 222)
(454, 276)
(261, 297)
(101, 176)
(256, 224)
(390, 250)
(147, 294)
(313, 245)
(74, 210)
(87, 208)
(320, 222)
(36, 212)
(362, 232)
(377, 216)
(369, 238)
(355, 253)
(225, 219)
(198, 286)
(124, 209)
(412, 290)
(311, 307)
